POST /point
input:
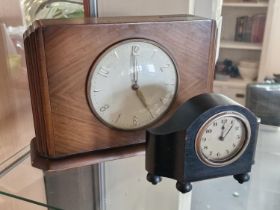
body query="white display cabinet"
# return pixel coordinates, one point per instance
(237, 51)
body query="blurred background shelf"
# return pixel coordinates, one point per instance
(240, 45)
(233, 88)
(234, 12)
(245, 4)
(232, 82)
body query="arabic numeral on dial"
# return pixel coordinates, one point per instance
(166, 66)
(135, 49)
(208, 130)
(224, 121)
(103, 72)
(204, 139)
(104, 108)
(215, 124)
(218, 154)
(135, 121)
(164, 99)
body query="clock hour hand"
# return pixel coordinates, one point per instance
(222, 133)
(143, 100)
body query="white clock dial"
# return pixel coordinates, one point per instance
(132, 84)
(222, 139)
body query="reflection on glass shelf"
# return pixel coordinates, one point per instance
(16, 121)
(245, 4)
(126, 188)
(20, 184)
(240, 45)
(8, 200)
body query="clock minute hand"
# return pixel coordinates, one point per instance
(134, 50)
(227, 132)
(143, 100)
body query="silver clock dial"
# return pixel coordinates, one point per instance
(222, 139)
(132, 84)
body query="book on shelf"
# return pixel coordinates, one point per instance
(240, 28)
(258, 26)
(250, 29)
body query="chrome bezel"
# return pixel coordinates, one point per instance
(236, 155)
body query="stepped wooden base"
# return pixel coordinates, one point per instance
(85, 159)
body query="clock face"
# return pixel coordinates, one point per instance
(132, 84)
(222, 139)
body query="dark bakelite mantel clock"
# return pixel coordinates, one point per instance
(209, 136)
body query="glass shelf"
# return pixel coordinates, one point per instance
(24, 203)
(124, 186)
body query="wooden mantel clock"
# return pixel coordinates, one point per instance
(96, 84)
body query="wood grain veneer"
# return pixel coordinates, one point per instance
(60, 54)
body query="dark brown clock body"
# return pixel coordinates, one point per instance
(60, 54)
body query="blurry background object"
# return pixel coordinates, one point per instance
(16, 121)
(47, 9)
(264, 100)
(111, 8)
(10, 12)
(250, 29)
(257, 28)
(15, 112)
(225, 70)
(257, 43)
(277, 77)
(248, 69)
(16, 125)
(4, 79)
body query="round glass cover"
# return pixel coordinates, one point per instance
(132, 84)
(222, 139)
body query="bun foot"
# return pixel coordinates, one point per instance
(154, 179)
(241, 178)
(184, 187)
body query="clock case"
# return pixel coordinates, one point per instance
(170, 148)
(60, 54)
